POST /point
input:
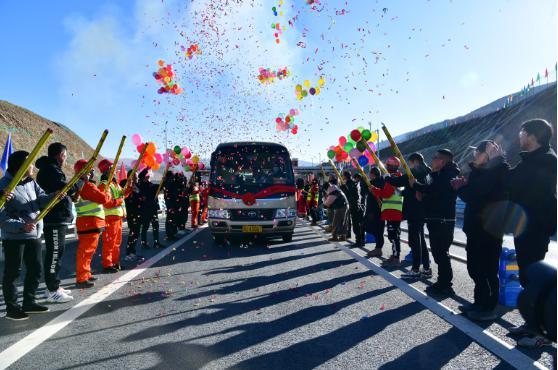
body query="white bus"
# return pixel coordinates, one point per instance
(252, 191)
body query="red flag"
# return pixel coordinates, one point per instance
(122, 173)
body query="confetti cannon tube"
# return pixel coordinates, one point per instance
(136, 166)
(323, 172)
(375, 157)
(397, 152)
(162, 179)
(115, 164)
(337, 172)
(361, 171)
(23, 169)
(74, 179)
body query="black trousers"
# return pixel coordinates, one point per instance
(417, 242)
(171, 223)
(154, 222)
(55, 241)
(441, 237)
(134, 229)
(182, 216)
(483, 263)
(357, 220)
(18, 251)
(314, 214)
(530, 246)
(394, 236)
(378, 227)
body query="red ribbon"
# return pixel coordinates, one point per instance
(250, 198)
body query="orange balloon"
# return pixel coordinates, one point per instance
(151, 148)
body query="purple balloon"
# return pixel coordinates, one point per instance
(354, 153)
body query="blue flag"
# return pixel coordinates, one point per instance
(7, 153)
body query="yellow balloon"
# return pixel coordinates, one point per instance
(321, 81)
(298, 87)
(195, 159)
(317, 90)
(306, 83)
(374, 136)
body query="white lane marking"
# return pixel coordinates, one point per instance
(483, 337)
(31, 341)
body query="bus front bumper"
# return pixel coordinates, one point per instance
(277, 227)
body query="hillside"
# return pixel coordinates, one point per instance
(501, 125)
(27, 127)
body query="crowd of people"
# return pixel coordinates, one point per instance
(499, 199)
(100, 209)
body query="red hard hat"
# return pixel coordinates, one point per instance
(79, 165)
(393, 162)
(104, 165)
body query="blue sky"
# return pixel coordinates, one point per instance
(89, 65)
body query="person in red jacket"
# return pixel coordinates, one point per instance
(90, 223)
(392, 210)
(204, 192)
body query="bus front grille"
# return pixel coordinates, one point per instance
(252, 214)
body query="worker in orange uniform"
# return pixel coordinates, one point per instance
(89, 224)
(312, 199)
(112, 235)
(204, 193)
(195, 204)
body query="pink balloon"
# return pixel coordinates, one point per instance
(133, 163)
(202, 166)
(136, 139)
(158, 158)
(166, 157)
(342, 141)
(185, 150)
(354, 153)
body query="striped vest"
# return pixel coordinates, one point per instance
(115, 192)
(394, 202)
(87, 208)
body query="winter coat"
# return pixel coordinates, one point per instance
(51, 179)
(532, 185)
(413, 209)
(438, 194)
(386, 192)
(373, 209)
(483, 194)
(351, 191)
(335, 198)
(28, 200)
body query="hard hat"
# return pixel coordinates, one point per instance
(79, 165)
(393, 162)
(104, 165)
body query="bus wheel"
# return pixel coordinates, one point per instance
(288, 238)
(218, 239)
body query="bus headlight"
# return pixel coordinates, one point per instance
(285, 212)
(218, 213)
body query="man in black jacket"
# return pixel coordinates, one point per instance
(352, 191)
(150, 208)
(373, 222)
(483, 193)
(51, 179)
(532, 190)
(133, 218)
(413, 212)
(171, 201)
(439, 211)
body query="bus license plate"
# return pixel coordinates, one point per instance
(251, 229)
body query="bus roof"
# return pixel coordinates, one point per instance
(248, 143)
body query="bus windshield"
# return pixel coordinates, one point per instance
(250, 167)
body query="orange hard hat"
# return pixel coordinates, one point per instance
(79, 165)
(393, 162)
(104, 165)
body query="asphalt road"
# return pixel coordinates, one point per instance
(297, 305)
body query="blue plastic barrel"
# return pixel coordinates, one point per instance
(510, 287)
(370, 238)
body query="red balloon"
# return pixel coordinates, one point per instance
(355, 135)
(140, 147)
(278, 120)
(342, 140)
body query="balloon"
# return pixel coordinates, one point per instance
(176, 161)
(330, 154)
(366, 134)
(140, 148)
(151, 148)
(355, 135)
(136, 139)
(195, 159)
(202, 166)
(188, 155)
(156, 166)
(342, 140)
(372, 146)
(186, 168)
(361, 146)
(360, 128)
(177, 149)
(158, 158)
(362, 160)
(347, 147)
(374, 136)
(354, 153)
(185, 150)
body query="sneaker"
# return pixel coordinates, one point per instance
(536, 341)
(65, 291)
(482, 315)
(376, 252)
(110, 270)
(426, 274)
(158, 245)
(58, 297)
(413, 274)
(34, 308)
(342, 238)
(438, 289)
(85, 284)
(521, 330)
(117, 266)
(392, 261)
(328, 229)
(92, 278)
(333, 239)
(16, 315)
